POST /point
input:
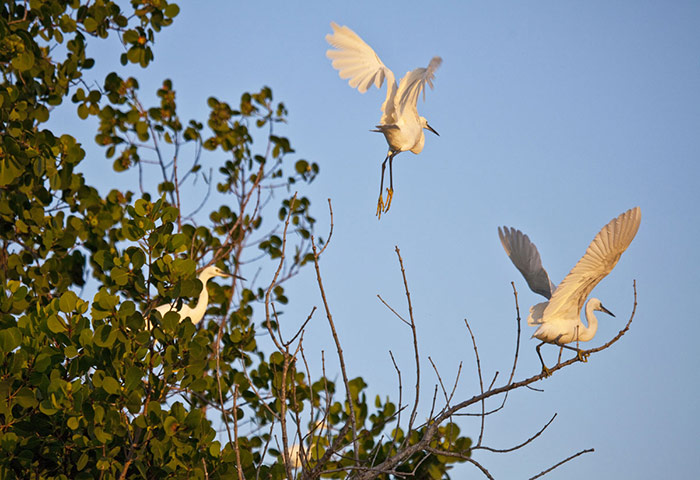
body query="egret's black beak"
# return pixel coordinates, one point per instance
(603, 309)
(431, 129)
(228, 275)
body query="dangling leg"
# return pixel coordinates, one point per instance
(545, 370)
(390, 190)
(380, 203)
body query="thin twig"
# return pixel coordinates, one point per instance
(544, 472)
(481, 383)
(521, 445)
(392, 310)
(339, 349)
(415, 342)
(398, 420)
(461, 456)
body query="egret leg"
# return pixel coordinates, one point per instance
(380, 203)
(582, 356)
(390, 191)
(545, 370)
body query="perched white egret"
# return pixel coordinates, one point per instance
(400, 123)
(197, 313)
(558, 320)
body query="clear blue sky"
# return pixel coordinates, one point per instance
(554, 117)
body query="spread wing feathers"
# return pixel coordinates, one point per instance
(356, 60)
(526, 258)
(599, 260)
(412, 84)
(536, 312)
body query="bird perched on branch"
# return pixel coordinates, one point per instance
(558, 320)
(400, 123)
(197, 313)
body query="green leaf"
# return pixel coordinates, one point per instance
(55, 324)
(110, 385)
(171, 10)
(67, 301)
(24, 61)
(119, 275)
(10, 338)
(170, 425)
(73, 423)
(105, 336)
(25, 398)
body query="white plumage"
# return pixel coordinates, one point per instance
(400, 123)
(197, 313)
(558, 320)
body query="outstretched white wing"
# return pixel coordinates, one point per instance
(356, 60)
(526, 258)
(600, 258)
(412, 84)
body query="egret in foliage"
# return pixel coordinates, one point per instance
(558, 320)
(197, 313)
(400, 123)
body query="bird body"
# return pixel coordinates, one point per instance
(558, 319)
(566, 330)
(197, 313)
(400, 123)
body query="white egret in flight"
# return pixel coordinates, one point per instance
(197, 313)
(400, 123)
(558, 320)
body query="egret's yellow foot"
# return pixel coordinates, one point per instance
(546, 371)
(582, 356)
(389, 196)
(380, 206)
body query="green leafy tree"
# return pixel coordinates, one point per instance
(86, 389)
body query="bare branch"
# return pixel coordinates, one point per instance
(415, 342)
(521, 445)
(461, 456)
(481, 382)
(544, 472)
(393, 311)
(339, 349)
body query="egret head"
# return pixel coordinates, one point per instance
(424, 124)
(212, 271)
(599, 307)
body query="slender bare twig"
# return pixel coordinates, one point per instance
(517, 338)
(461, 456)
(544, 472)
(400, 407)
(415, 342)
(339, 349)
(442, 386)
(521, 445)
(454, 387)
(393, 311)
(301, 329)
(481, 383)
